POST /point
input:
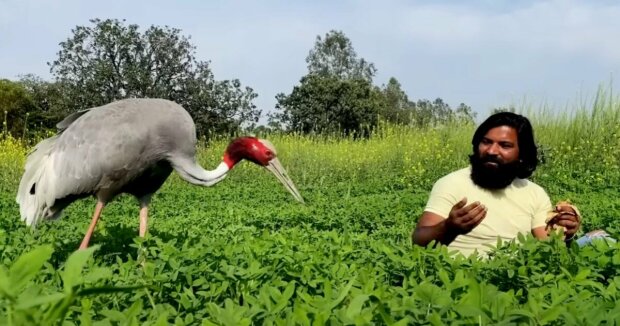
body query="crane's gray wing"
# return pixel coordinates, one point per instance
(100, 150)
(63, 165)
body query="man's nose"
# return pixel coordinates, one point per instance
(493, 149)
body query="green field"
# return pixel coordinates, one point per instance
(244, 252)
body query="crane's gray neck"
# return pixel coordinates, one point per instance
(192, 172)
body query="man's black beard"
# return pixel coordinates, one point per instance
(496, 178)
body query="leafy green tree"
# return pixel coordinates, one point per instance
(503, 109)
(335, 56)
(464, 114)
(423, 113)
(397, 109)
(15, 103)
(50, 103)
(110, 60)
(427, 113)
(330, 105)
(336, 96)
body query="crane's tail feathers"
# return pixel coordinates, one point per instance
(34, 188)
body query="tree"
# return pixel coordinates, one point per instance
(503, 109)
(15, 103)
(336, 95)
(110, 61)
(398, 109)
(330, 105)
(464, 114)
(50, 103)
(218, 107)
(334, 56)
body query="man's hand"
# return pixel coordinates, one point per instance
(567, 217)
(462, 219)
(569, 222)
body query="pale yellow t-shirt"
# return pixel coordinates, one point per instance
(518, 208)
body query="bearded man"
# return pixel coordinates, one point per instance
(470, 208)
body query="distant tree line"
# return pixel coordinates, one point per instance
(337, 95)
(110, 60)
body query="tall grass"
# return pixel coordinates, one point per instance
(595, 120)
(581, 141)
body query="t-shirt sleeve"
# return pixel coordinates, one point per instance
(541, 208)
(442, 198)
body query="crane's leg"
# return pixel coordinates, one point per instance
(91, 228)
(144, 213)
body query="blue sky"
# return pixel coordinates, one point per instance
(483, 53)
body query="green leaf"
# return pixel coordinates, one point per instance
(341, 296)
(521, 313)
(97, 274)
(582, 275)
(162, 320)
(445, 279)
(284, 298)
(27, 266)
(5, 288)
(551, 314)
(114, 315)
(39, 301)
(109, 289)
(432, 294)
(355, 307)
(468, 310)
(71, 275)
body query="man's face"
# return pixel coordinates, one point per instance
(496, 163)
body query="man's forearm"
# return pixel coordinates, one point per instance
(439, 232)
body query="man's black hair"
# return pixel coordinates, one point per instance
(528, 152)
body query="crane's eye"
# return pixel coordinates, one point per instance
(269, 154)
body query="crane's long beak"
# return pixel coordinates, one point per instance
(276, 168)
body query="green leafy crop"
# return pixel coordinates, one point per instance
(245, 253)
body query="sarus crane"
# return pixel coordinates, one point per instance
(126, 146)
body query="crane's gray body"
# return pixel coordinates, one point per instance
(128, 146)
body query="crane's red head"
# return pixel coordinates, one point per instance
(251, 149)
(260, 152)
